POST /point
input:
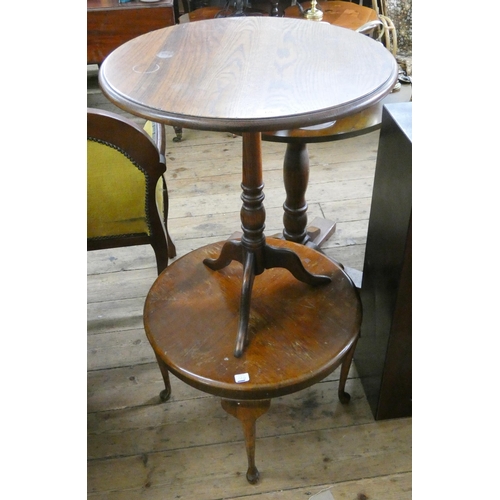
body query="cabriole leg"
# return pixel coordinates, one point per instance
(344, 397)
(165, 394)
(248, 412)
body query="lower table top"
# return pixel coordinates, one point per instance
(363, 122)
(298, 333)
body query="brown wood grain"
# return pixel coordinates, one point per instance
(346, 14)
(111, 24)
(298, 333)
(248, 74)
(128, 425)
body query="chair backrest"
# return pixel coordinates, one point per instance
(124, 186)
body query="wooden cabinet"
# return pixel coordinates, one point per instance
(110, 24)
(383, 356)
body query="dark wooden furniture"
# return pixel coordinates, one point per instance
(296, 161)
(383, 356)
(299, 334)
(266, 74)
(256, 7)
(110, 24)
(296, 165)
(118, 146)
(346, 14)
(123, 157)
(249, 75)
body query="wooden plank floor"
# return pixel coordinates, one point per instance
(189, 448)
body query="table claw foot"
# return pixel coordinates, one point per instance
(253, 475)
(165, 395)
(232, 250)
(287, 259)
(344, 397)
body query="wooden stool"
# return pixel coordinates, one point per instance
(298, 333)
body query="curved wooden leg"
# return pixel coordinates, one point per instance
(282, 257)
(245, 299)
(165, 394)
(248, 412)
(344, 397)
(232, 250)
(172, 251)
(160, 249)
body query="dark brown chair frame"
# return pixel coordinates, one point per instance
(148, 155)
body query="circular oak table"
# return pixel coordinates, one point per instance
(249, 75)
(299, 334)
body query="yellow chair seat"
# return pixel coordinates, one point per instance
(125, 185)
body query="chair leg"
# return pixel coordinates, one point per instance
(248, 412)
(178, 134)
(165, 394)
(344, 397)
(172, 251)
(161, 254)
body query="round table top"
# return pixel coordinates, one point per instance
(298, 333)
(248, 74)
(365, 121)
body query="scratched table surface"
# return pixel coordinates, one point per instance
(248, 74)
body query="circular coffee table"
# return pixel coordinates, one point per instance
(298, 333)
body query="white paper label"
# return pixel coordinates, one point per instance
(241, 377)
